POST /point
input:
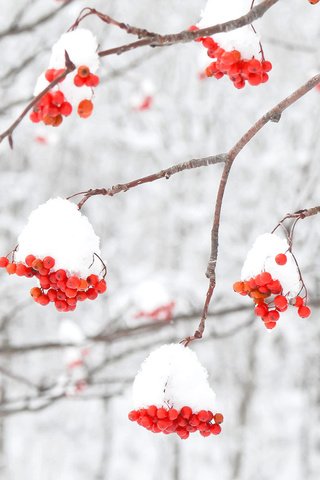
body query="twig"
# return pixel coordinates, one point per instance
(272, 115)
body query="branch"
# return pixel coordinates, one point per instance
(273, 115)
(157, 40)
(152, 40)
(166, 173)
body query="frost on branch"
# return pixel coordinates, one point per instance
(171, 394)
(271, 277)
(59, 247)
(238, 53)
(75, 91)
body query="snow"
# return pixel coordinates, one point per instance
(70, 332)
(172, 376)
(81, 46)
(261, 258)
(58, 229)
(243, 39)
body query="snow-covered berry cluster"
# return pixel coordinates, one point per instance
(64, 248)
(75, 91)
(181, 422)
(272, 280)
(237, 54)
(172, 395)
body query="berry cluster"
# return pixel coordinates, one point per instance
(58, 286)
(53, 106)
(85, 77)
(263, 286)
(51, 109)
(230, 63)
(181, 422)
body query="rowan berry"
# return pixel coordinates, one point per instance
(66, 109)
(238, 287)
(52, 294)
(215, 429)
(186, 412)
(261, 309)
(203, 416)
(92, 80)
(29, 260)
(91, 294)
(281, 259)
(43, 300)
(48, 262)
(304, 311)
(3, 262)
(162, 413)
(152, 411)
(21, 270)
(173, 414)
(85, 108)
(35, 292)
(281, 303)
(218, 418)
(133, 415)
(57, 98)
(37, 264)
(83, 71)
(73, 282)
(101, 287)
(81, 296)
(60, 275)
(11, 268)
(61, 306)
(298, 301)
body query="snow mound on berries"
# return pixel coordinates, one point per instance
(58, 229)
(244, 39)
(261, 258)
(172, 376)
(81, 46)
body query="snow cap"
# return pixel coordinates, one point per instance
(58, 229)
(172, 376)
(261, 258)
(244, 39)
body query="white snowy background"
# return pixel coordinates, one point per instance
(64, 411)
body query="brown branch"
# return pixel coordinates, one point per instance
(273, 115)
(166, 173)
(185, 36)
(152, 40)
(8, 133)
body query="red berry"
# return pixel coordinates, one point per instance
(48, 262)
(11, 268)
(162, 413)
(83, 71)
(164, 424)
(203, 416)
(29, 260)
(43, 300)
(71, 302)
(265, 278)
(152, 411)
(92, 294)
(270, 325)
(261, 309)
(21, 270)
(205, 433)
(3, 262)
(92, 80)
(57, 98)
(133, 415)
(281, 259)
(298, 302)
(92, 280)
(273, 316)
(81, 296)
(218, 418)
(78, 81)
(50, 74)
(215, 429)
(52, 295)
(85, 108)
(145, 421)
(37, 264)
(101, 286)
(281, 303)
(83, 284)
(186, 412)
(60, 275)
(266, 66)
(73, 282)
(61, 295)
(304, 311)
(194, 420)
(61, 306)
(66, 109)
(35, 292)
(173, 414)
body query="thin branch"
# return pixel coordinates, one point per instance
(273, 115)
(152, 40)
(166, 173)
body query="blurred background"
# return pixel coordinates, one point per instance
(63, 413)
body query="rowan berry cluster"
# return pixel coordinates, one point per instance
(181, 422)
(53, 106)
(231, 64)
(57, 286)
(263, 287)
